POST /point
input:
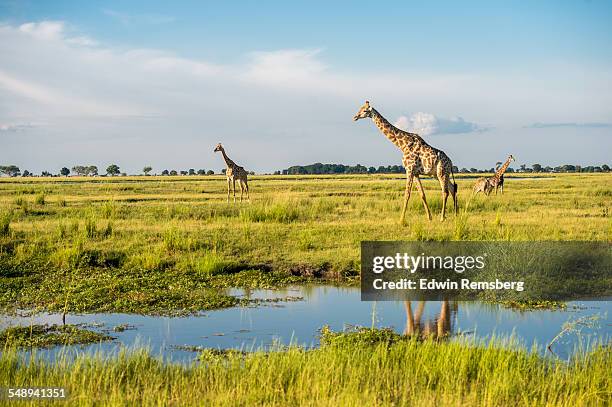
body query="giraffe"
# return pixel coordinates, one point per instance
(483, 185)
(500, 184)
(234, 172)
(486, 185)
(419, 158)
(497, 180)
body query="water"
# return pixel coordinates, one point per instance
(338, 307)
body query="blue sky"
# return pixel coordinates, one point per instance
(158, 83)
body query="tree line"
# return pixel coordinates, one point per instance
(92, 171)
(319, 168)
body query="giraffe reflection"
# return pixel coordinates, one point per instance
(435, 328)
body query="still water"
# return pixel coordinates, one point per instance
(299, 321)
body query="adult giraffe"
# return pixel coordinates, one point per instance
(234, 172)
(419, 158)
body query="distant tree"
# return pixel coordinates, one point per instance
(65, 171)
(251, 172)
(223, 171)
(26, 173)
(173, 172)
(183, 172)
(192, 171)
(165, 172)
(536, 168)
(92, 170)
(147, 170)
(45, 174)
(509, 170)
(10, 170)
(464, 170)
(455, 169)
(523, 167)
(473, 170)
(201, 172)
(277, 172)
(113, 170)
(605, 168)
(210, 172)
(79, 170)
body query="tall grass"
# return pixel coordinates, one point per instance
(406, 372)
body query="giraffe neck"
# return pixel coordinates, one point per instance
(502, 169)
(228, 162)
(390, 131)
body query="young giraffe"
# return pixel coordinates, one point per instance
(497, 180)
(419, 158)
(234, 172)
(483, 185)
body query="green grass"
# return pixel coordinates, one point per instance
(149, 244)
(363, 368)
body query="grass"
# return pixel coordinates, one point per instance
(48, 335)
(170, 244)
(368, 367)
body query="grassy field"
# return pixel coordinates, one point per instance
(372, 367)
(164, 244)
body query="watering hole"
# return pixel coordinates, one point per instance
(298, 322)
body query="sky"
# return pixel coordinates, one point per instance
(161, 83)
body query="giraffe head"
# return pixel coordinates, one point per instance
(364, 112)
(511, 157)
(219, 147)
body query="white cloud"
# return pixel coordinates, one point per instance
(569, 124)
(44, 30)
(15, 127)
(427, 124)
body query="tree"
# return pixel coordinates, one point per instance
(210, 172)
(65, 171)
(26, 173)
(605, 167)
(183, 172)
(45, 174)
(147, 170)
(192, 171)
(10, 170)
(173, 172)
(92, 170)
(112, 170)
(165, 172)
(201, 172)
(536, 168)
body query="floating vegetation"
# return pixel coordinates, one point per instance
(49, 335)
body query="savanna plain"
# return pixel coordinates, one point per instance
(173, 246)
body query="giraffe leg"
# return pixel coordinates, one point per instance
(241, 189)
(444, 184)
(420, 188)
(234, 181)
(229, 183)
(246, 186)
(409, 178)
